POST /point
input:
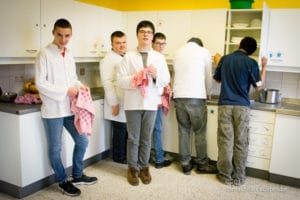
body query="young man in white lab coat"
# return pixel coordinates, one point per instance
(113, 100)
(142, 73)
(57, 82)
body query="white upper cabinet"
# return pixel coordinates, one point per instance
(283, 42)
(93, 26)
(86, 31)
(181, 25)
(110, 21)
(176, 25)
(20, 28)
(247, 22)
(133, 18)
(209, 26)
(52, 10)
(27, 25)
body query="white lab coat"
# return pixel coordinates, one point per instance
(113, 93)
(192, 72)
(54, 74)
(132, 64)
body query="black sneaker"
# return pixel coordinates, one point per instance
(207, 169)
(164, 163)
(69, 189)
(186, 169)
(84, 180)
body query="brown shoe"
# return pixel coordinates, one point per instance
(132, 176)
(145, 175)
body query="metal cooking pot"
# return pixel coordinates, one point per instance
(272, 96)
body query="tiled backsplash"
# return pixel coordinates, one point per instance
(12, 78)
(287, 83)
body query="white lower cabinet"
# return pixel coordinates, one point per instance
(212, 131)
(23, 149)
(260, 136)
(260, 139)
(170, 131)
(286, 146)
(23, 146)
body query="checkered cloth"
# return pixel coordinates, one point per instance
(141, 80)
(166, 99)
(83, 108)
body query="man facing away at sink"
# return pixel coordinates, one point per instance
(236, 72)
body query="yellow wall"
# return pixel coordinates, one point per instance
(142, 5)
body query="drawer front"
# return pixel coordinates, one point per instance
(260, 140)
(258, 163)
(261, 128)
(262, 116)
(260, 152)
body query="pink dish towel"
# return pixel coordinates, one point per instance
(28, 98)
(141, 80)
(166, 99)
(83, 108)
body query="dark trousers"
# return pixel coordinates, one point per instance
(119, 141)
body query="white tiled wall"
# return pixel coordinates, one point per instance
(12, 77)
(287, 83)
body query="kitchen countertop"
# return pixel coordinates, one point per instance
(287, 106)
(20, 109)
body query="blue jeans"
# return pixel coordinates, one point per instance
(157, 141)
(54, 129)
(140, 125)
(191, 116)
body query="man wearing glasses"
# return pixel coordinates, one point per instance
(159, 44)
(142, 73)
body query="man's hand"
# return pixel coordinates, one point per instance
(115, 110)
(152, 71)
(264, 61)
(72, 92)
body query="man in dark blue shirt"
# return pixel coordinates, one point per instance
(236, 72)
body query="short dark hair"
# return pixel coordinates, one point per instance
(159, 35)
(248, 44)
(62, 23)
(117, 34)
(196, 40)
(145, 23)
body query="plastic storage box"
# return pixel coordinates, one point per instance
(241, 4)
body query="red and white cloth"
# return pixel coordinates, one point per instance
(83, 108)
(166, 99)
(141, 80)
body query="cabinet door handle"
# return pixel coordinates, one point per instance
(31, 50)
(93, 51)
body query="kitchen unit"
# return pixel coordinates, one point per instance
(24, 165)
(283, 41)
(247, 22)
(261, 129)
(31, 23)
(285, 163)
(191, 23)
(212, 131)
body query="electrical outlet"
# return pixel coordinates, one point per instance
(82, 71)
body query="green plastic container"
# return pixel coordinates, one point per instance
(241, 4)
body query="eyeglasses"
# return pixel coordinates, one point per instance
(145, 32)
(160, 43)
